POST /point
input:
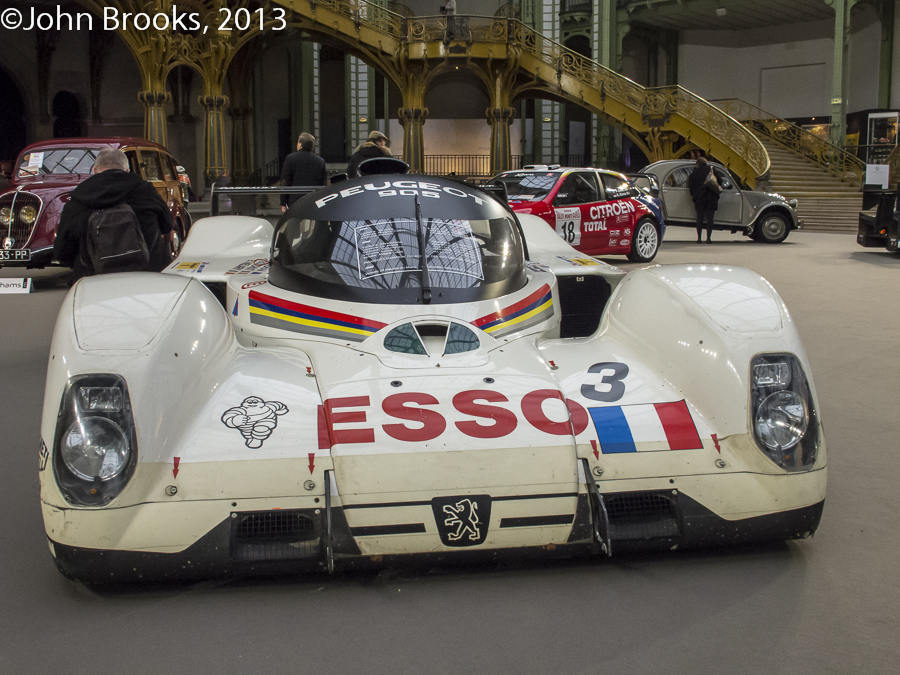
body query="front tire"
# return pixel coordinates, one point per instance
(645, 243)
(772, 228)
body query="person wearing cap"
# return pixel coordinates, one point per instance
(303, 167)
(377, 145)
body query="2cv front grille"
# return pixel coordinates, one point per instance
(275, 535)
(19, 231)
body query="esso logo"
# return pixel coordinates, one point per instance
(253, 283)
(415, 417)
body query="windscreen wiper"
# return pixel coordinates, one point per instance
(426, 281)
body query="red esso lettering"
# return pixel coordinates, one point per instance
(433, 423)
(533, 409)
(333, 418)
(504, 420)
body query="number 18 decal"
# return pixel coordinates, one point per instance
(568, 225)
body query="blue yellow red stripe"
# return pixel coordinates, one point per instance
(535, 308)
(268, 310)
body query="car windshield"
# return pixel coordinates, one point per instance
(527, 186)
(380, 260)
(64, 161)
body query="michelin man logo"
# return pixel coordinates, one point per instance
(255, 419)
(464, 517)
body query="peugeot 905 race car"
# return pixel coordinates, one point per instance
(405, 370)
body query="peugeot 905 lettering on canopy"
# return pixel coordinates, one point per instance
(404, 370)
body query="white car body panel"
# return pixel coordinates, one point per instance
(395, 432)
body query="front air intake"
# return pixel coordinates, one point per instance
(642, 515)
(275, 535)
(582, 299)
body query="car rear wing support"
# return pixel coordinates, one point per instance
(216, 193)
(600, 516)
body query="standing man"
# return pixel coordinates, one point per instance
(112, 185)
(704, 189)
(303, 167)
(376, 146)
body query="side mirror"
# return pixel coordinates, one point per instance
(726, 185)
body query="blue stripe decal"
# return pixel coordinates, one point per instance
(310, 317)
(612, 430)
(524, 310)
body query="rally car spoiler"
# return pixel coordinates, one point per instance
(216, 192)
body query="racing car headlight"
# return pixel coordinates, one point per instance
(5, 215)
(96, 445)
(28, 214)
(783, 417)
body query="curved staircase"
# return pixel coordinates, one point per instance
(825, 203)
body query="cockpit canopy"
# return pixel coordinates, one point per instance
(363, 241)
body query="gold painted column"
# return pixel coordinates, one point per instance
(501, 154)
(413, 121)
(214, 152)
(155, 128)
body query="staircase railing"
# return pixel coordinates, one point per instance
(655, 106)
(836, 160)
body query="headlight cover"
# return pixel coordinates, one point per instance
(96, 445)
(782, 414)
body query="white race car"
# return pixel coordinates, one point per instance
(404, 370)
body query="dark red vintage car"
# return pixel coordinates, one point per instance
(46, 172)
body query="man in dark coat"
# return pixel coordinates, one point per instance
(706, 199)
(111, 185)
(303, 167)
(376, 146)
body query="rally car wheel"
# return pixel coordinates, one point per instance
(645, 243)
(772, 229)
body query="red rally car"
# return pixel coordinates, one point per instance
(597, 212)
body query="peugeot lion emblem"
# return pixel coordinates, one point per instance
(462, 521)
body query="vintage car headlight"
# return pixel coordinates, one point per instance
(96, 445)
(782, 414)
(5, 215)
(28, 214)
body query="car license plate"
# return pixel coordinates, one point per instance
(19, 254)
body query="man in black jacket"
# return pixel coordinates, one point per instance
(706, 198)
(376, 146)
(303, 167)
(110, 185)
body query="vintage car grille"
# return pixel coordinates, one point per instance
(275, 535)
(642, 515)
(19, 231)
(582, 300)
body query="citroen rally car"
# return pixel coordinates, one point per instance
(597, 212)
(405, 370)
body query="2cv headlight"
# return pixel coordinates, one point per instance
(782, 414)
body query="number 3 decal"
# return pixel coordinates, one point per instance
(615, 373)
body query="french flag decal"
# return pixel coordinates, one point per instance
(651, 427)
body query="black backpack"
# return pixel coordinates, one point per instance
(114, 242)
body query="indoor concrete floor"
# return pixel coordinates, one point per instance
(830, 604)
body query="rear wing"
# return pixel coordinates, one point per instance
(217, 193)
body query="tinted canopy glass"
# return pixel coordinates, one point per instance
(438, 254)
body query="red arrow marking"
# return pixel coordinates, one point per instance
(312, 461)
(596, 452)
(175, 470)
(716, 443)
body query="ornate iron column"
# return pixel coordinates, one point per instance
(500, 119)
(214, 151)
(413, 119)
(155, 126)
